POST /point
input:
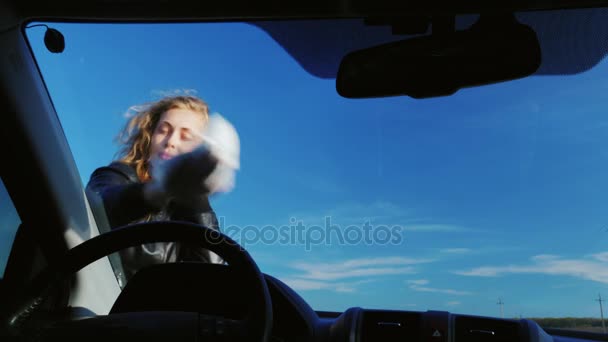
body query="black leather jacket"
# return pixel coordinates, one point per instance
(116, 196)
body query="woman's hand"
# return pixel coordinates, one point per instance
(180, 178)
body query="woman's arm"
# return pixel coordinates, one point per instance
(125, 199)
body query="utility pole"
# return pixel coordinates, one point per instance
(501, 303)
(600, 300)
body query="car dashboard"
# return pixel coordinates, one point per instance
(362, 325)
(156, 305)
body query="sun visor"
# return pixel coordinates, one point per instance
(572, 41)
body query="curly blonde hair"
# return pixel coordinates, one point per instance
(137, 134)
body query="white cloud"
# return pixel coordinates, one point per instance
(484, 271)
(328, 274)
(417, 285)
(305, 284)
(544, 257)
(592, 268)
(311, 285)
(601, 256)
(336, 276)
(418, 282)
(435, 290)
(345, 288)
(456, 250)
(384, 261)
(358, 268)
(424, 228)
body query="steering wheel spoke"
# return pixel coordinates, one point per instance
(210, 326)
(148, 326)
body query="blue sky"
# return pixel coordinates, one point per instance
(9, 223)
(498, 191)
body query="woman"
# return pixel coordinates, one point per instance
(173, 157)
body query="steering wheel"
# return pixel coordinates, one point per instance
(256, 325)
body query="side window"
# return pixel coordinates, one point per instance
(9, 222)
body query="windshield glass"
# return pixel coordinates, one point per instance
(491, 201)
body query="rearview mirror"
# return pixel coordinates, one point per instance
(494, 49)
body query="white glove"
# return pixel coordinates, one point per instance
(222, 140)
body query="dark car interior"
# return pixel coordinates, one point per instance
(174, 301)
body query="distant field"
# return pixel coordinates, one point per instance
(592, 329)
(571, 323)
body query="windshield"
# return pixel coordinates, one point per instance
(491, 201)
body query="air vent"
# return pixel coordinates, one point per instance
(390, 326)
(476, 329)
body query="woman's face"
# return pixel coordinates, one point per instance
(178, 131)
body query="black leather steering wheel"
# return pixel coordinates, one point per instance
(256, 326)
